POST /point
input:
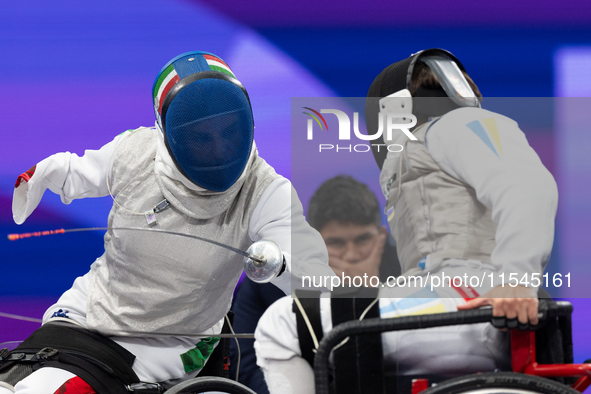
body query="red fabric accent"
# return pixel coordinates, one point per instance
(466, 292)
(75, 386)
(25, 176)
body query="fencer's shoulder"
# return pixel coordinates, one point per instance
(261, 173)
(141, 132)
(280, 310)
(142, 135)
(260, 162)
(457, 124)
(464, 117)
(276, 315)
(135, 149)
(279, 184)
(282, 304)
(276, 196)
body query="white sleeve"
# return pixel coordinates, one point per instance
(68, 175)
(87, 175)
(279, 217)
(276, 335)
(491, 154)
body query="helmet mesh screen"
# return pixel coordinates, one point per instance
(209, 132)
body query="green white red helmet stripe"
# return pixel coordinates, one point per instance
(165, 82)
(217, 64)
(181, 67)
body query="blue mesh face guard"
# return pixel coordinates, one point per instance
(208, 128)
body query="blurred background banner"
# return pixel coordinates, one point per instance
(76, 74)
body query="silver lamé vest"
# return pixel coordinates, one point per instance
(160, 283)
(430, 212)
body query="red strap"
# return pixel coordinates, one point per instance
(466, 292)
(75, 386)
(25, 176)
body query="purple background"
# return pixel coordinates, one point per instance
(384, 13)
(74, 75)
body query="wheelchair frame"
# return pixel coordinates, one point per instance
(523, 344)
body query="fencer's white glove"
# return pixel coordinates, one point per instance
(30, 185)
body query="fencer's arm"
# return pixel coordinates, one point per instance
(278, 348)
(66, 174)
(279, 217)
(509, 178)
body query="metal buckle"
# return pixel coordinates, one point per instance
(155, 385)
(45, 354)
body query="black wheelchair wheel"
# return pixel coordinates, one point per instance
(208, 384)
(500, 383)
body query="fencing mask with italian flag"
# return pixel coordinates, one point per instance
(205, 116)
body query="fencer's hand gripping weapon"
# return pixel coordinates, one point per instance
(263, 260)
